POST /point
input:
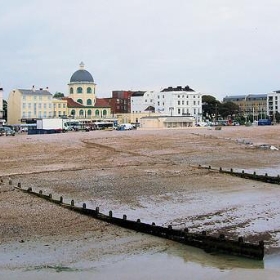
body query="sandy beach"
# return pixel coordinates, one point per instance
(151, 175)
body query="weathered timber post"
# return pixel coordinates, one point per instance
(29, 189)
(222, 236)
(138, 221)
(61, 199)
(72, 202)
(40, 192)
(240, 240)
(153, 224)
(10, 181)
(84, 206)
(19, 185)
(110, 214)
(266, 175)
(124, 217)
(169, 227)
(50, 196)
(209, 167)
(97, 210)
(220, 169)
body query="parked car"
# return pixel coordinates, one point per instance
(7, 131)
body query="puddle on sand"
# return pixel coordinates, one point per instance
(179, 262)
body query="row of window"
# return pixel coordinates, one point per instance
(40, 97)
(59, 105)
(80, 90)
(39, 105)
(85, 113)
(89, 101)
(39, 115)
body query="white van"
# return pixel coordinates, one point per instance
(125, 126)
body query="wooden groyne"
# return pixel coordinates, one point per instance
(202, 240)
(242, 174)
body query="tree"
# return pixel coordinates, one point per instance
(210, 107)
(5, 109)
(58, 95)
(228, 109)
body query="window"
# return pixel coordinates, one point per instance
(89, 112)
(23, 105)
(158, 103)
(73, 112)
(96, 112)
(29, 105)
(40, 105)
(104, 112)
(194, 111)
(81, 113)
(194, 102)
(179, 111)
(35, 97)
(183, 102)
(59, 105)
(89, 102)
(179, 103)
(79, 90)
(89, 90)
(64, 105)
(71, 90)
(45, 106)
(80, 101)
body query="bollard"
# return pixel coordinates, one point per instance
(221, 169)
(222, 236)
(10, 181)
(61, 199)
(243, 171)
(29, 189)
(124, 217)
(110, 214)
(255, 173)
(138, 221)
(97, 210)
(266, 175)
(231, 170)
(153, 224)
(50, 196)
(19, 185)
(84, 206)
(72, 202)
(209, 167)
(40, 192)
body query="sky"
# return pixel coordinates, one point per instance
(217, 47)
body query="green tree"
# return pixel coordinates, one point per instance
(210, 107)
(228, 109)
(5, 109)
(58, 95)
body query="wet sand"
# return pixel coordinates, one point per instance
(151, 175)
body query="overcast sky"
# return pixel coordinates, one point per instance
(217, 47)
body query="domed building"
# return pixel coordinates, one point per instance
(81, 101)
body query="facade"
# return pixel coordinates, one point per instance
(250, 104)
(27, 105)
(1, 106)
(120, 102)
(273, 104)
(152, 122)
(81, 101)
(142, 102)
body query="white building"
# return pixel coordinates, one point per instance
(179, 101)
(142, 102)
(273, 104)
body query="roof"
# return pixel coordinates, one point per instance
(34, 92)
(101, 102)
(138, 93)
(71, 103)
(81, 76)
(178, 88)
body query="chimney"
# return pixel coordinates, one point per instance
(33, 88)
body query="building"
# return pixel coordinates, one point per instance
(27, 105)
(179, 101)
(1, 107)
(273, 104)
(120, 102)
(250, 104)
(81, 101)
